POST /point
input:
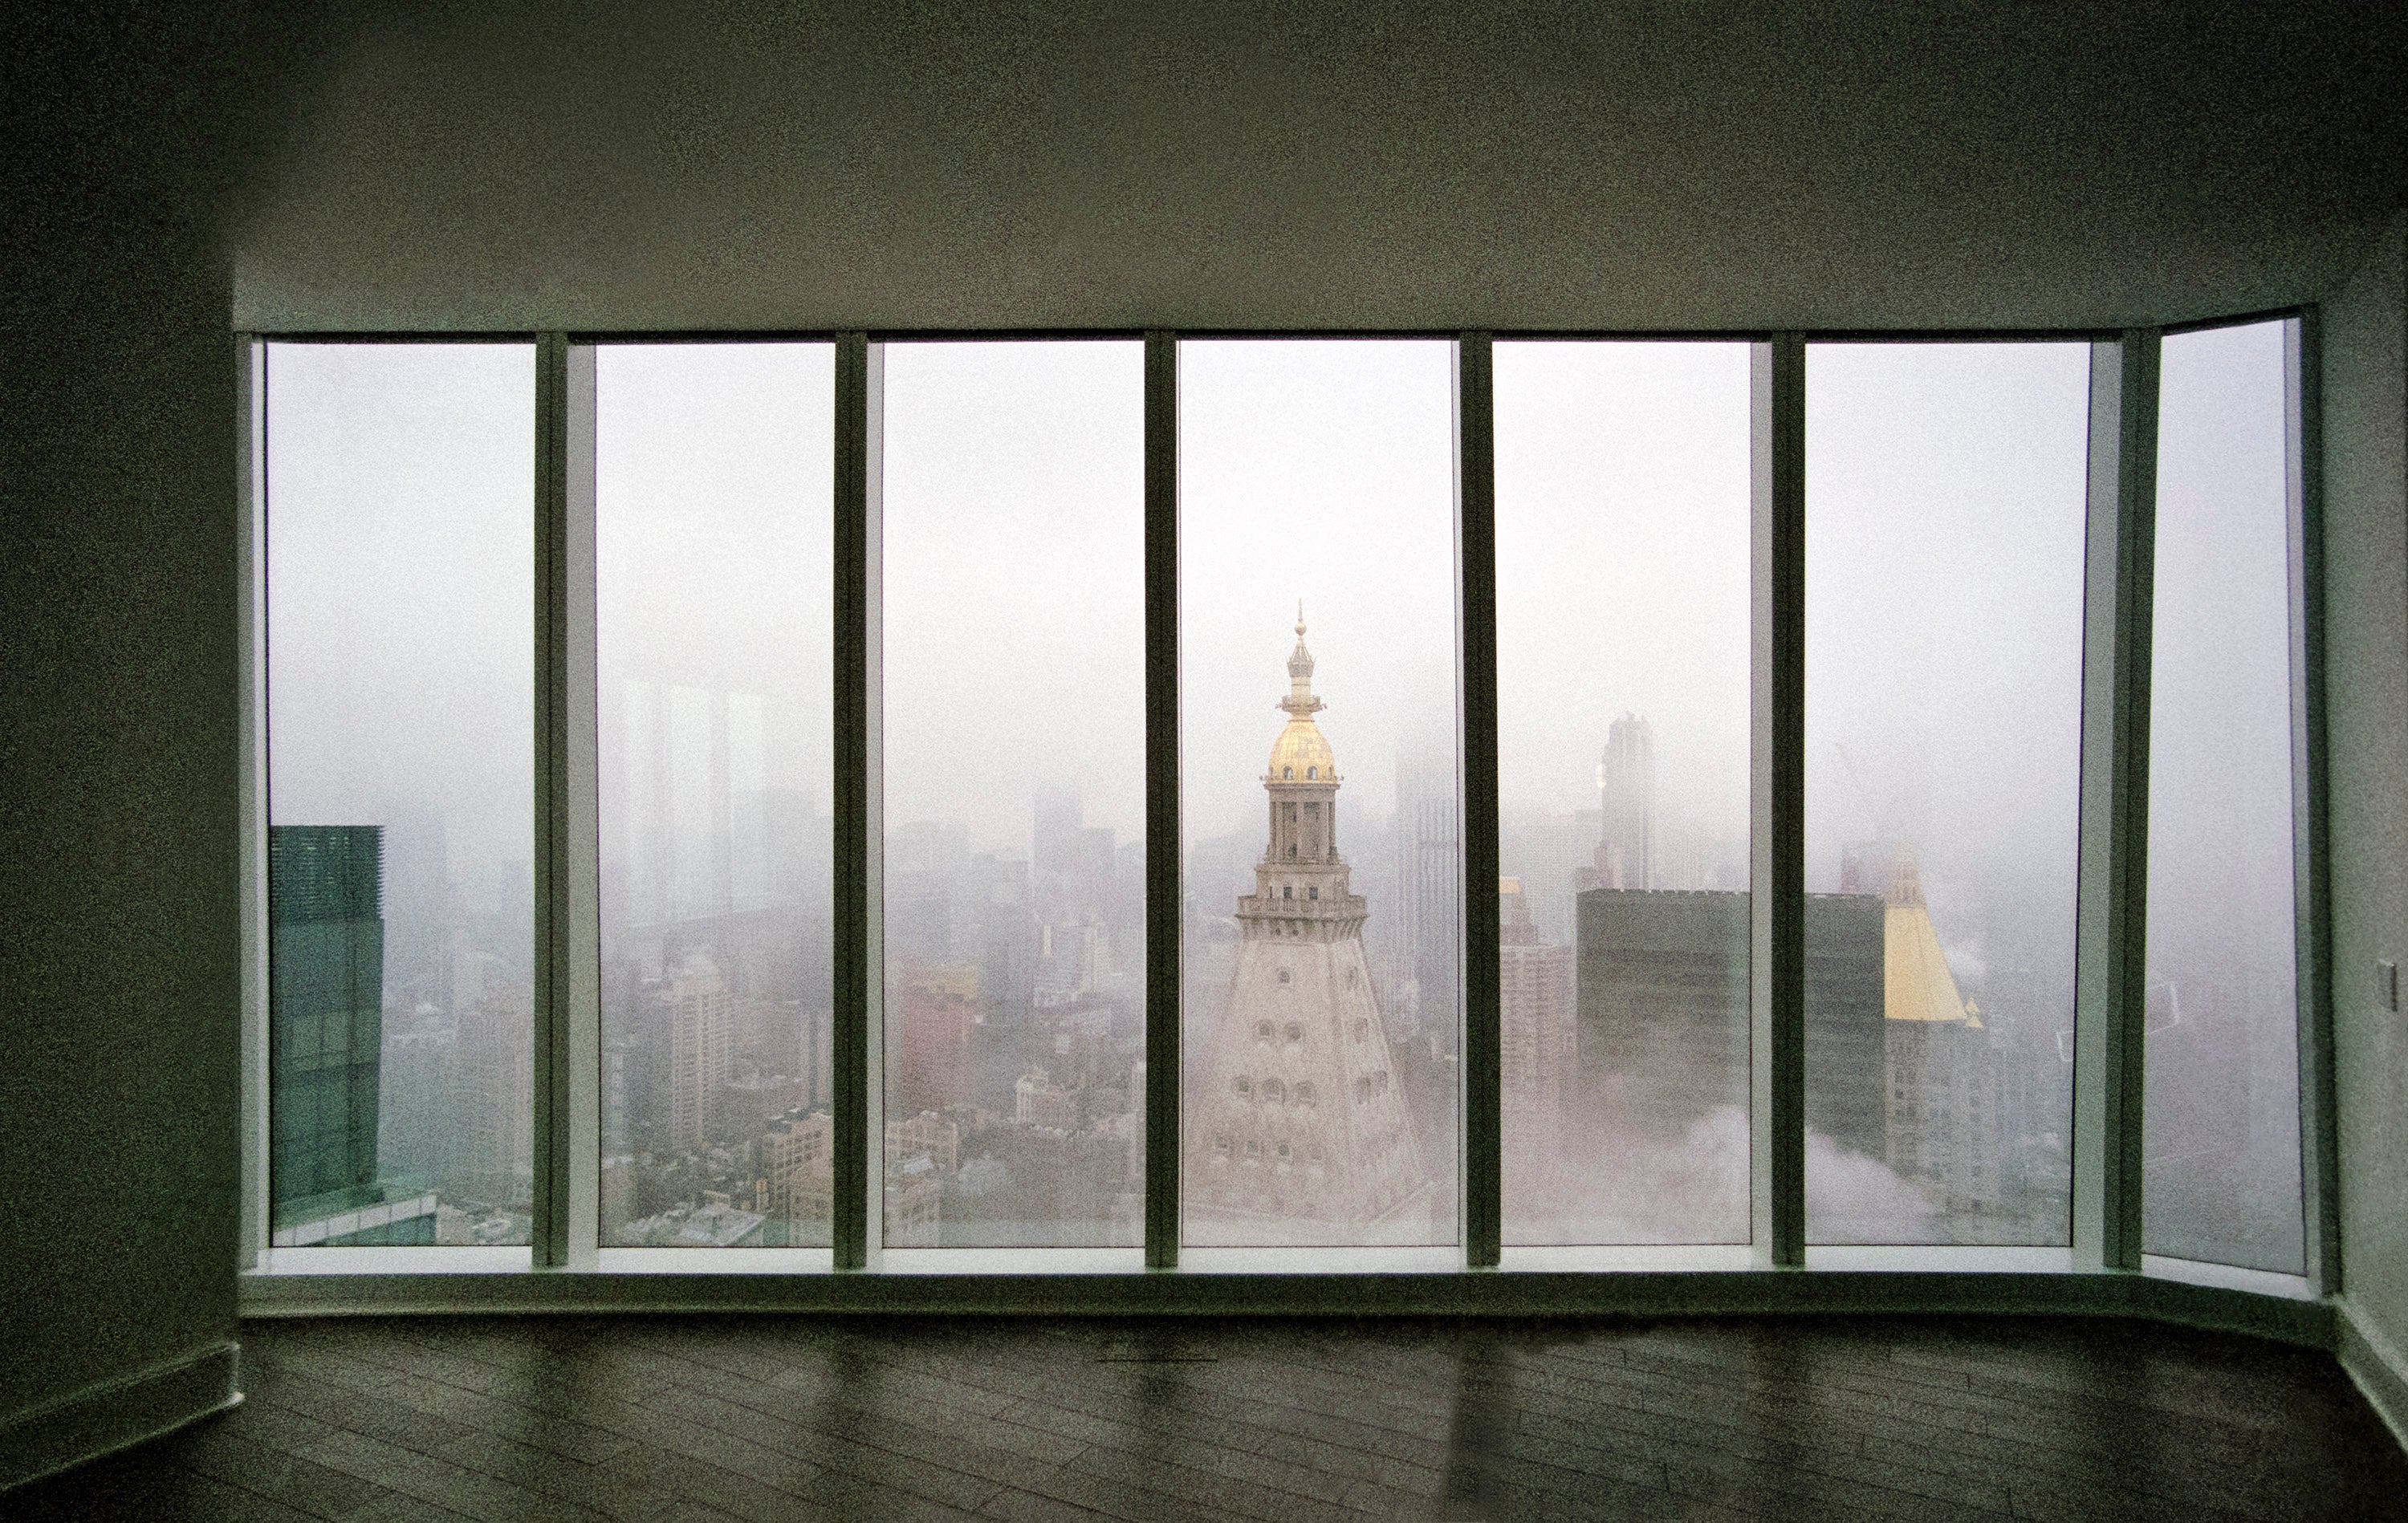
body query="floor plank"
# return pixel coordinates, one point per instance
(704, 1419)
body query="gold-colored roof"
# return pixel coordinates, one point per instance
(1302, 754)
(1917, 985)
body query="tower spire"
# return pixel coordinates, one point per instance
(1299, 703)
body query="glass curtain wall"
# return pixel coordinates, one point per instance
(1622, 508)
(401, 829)
(2221, 1147)
(1014, 778)
(713, 503)
(1945, 498)
(1319, 786)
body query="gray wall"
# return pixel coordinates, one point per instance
(2366, 590)
(119, 982)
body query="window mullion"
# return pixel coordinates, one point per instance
(1163, 840)
(2303, 430)
(859, 811)
(568, 889)
(1777, 805)
(1476, 498)
(251, 442)
(2112, 919)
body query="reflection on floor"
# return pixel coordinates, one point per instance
(1291, 1421)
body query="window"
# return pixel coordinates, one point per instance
(400, 733)
(1321, 473)
(1946, 490)
(2221, 1144)
(1952, 509)
(1014, 784)
(1622, 670)
(712, 519)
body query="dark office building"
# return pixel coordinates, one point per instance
(325, 1006)
(1662, 1009)
(325, 1035)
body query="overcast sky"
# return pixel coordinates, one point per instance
(1945, 498)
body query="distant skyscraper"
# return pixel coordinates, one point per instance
(1626, 853)
(694, 764)
(1301, 1132)
(1535, 1007)
(1429, 878)
(688, 1032)
(1944, 1095)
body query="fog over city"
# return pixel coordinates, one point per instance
(1946, 494)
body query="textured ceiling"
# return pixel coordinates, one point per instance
(1629, 166)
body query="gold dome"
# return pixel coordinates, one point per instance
(1301, 755)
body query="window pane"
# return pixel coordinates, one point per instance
(1015, 664)
(2222, 1132)
(1622, 670)
(1945, 489)
(1322, 1011)
(400, 560)
(713, 487)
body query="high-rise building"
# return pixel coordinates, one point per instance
(1626, 851)
(686, 1031)
(1536, 1017)
(1429, 865)
(1943, 1096)
(492, 1091)
(325, 1025)
(797, 1176)
(696, 801)
(325, 1007)
(1663, 1003)
(1301, 1132)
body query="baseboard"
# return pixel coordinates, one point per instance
(2376, 1364)
(113, 1414)
(1499, 1294)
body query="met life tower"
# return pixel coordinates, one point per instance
(1299, 1134)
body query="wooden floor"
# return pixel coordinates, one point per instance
(696, 1418)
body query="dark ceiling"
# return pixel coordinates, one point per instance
(1620, 166)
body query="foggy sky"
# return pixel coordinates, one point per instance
(400, 568)
(1945, 517)
(1622, 571)
(1945, 491)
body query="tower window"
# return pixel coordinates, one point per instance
(1286, 976)
(1313, 893)
(1288, 890)
(1243, 1085)
(1274, 1092)
(1283, 1149)
(1304, 1093)
(1313, 772)
(1263, 1028)
(1295, 1030)
(1287, 772)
